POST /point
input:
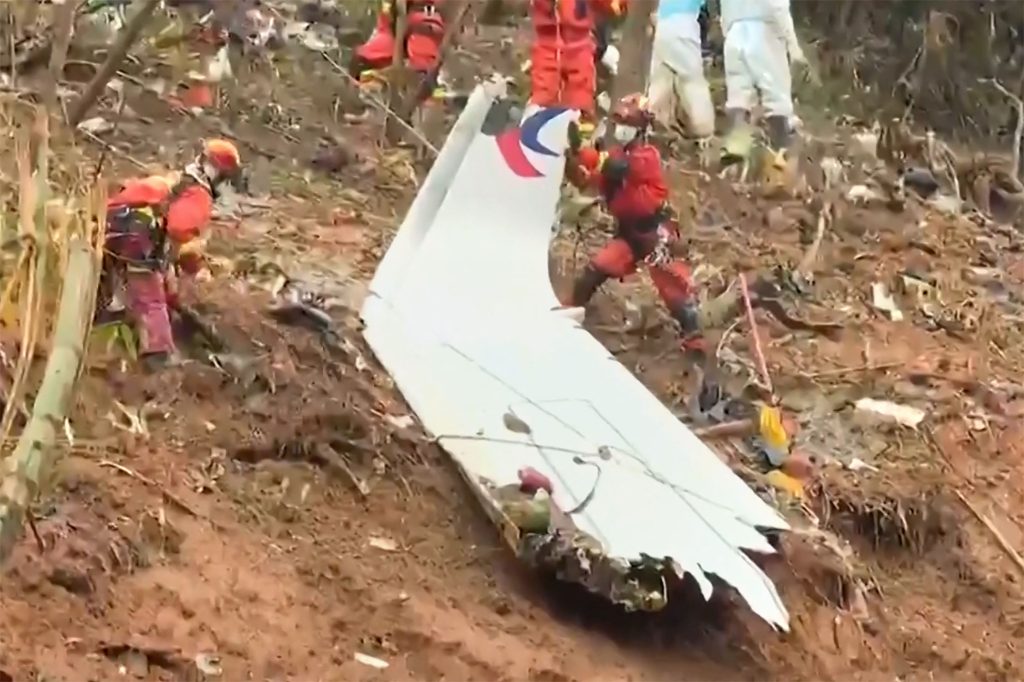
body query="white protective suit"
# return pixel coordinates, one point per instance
(760, 43)
(677, 68)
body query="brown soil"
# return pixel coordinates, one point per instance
(235, 527)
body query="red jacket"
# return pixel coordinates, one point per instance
(187, 213)
(641, 193)
(572, 20)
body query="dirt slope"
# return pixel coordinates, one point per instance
(232, 534)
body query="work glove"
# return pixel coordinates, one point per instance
(610, 59)
(796, 55)
(804, 71)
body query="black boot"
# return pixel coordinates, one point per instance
(154, 362)
(586, 286)
(356, 66)
(695, 351)
(778, 132)
(692, 340)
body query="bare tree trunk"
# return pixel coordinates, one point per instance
(117, 54)
(637, 45)
(63, 27)
(399, 79)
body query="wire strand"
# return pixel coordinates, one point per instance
(379, 104)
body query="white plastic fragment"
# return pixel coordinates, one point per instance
(371, 661)
(882, 300)
(901, 414)
(383, 544)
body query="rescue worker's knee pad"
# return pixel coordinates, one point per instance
(615, 259)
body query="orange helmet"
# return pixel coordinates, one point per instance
(633, 110)
(222, 155)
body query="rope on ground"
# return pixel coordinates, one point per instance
(762, 364)
(388, 111)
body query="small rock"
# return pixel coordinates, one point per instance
(800, 400)
(208, 664)
(354, 196)
(776, 220)
(332, 159)
(260, 175)
(74, 581)
(134, 662)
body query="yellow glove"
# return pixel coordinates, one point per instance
(785, 483)
(193, 247)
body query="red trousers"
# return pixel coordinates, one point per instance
(146, 295)
(672, 279)
(563, 76)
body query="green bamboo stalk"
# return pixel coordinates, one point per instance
(34, 458)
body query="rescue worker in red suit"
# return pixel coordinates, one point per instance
(423, 36)
(632, 183)
(562, 70)
(150, 222)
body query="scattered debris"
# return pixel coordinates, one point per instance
(882, 300)
(371, 661)
(857, 464)
(786, 483)
(382, 543)
(901, 414)
(515, 424)
(96, 125)
(209, 664)
(403, 421)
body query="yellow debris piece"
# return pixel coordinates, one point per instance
(786, 483)
(773, 433)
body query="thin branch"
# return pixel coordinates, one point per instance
(1019, 132)
(117, 54)
(381, 105)
(399, 76)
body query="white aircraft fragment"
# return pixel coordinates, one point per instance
(461, 313)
